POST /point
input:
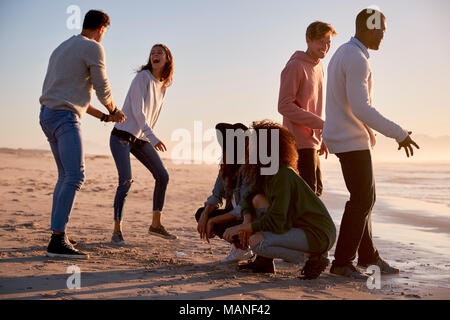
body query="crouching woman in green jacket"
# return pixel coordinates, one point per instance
(283, 218)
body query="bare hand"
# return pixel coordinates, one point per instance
(209, 230)
(160, 147)
(119, 117)
(201, 226)
(243, 240)
(323, 150)
(407, 144)
(230, 232)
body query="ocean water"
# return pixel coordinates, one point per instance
(423, 181)
(410, 219)
(409, 195)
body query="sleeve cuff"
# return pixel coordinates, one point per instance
(153, 140)
(402, 137)
(212, 203)
(236, 212)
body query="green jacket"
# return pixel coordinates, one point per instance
(293, 205)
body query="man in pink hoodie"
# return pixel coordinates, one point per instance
(301, 101)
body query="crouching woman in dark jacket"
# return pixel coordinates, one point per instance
(283, 217)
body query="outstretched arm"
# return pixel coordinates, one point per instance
(116, 117)
(407, 144)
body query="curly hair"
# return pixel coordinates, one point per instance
(287, 151)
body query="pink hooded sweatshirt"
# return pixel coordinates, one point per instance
(301, 99)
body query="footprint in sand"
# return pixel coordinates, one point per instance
(28, 214)
(98, 189)
(22, 213)
(29, 225)
(8, 227)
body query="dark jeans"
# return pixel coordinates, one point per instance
(308, 166)
(355, 233)
(149, 157)
(219, 228)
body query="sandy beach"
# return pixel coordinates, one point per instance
(148, 267)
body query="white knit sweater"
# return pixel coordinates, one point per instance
(142, 107)
(349, 112)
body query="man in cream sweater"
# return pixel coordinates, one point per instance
(76, 68)
(350, 118)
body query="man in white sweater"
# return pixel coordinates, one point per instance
(350, 118)
(76, 68)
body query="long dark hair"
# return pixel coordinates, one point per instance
(229, 173)
(167, 73)
(287, 152)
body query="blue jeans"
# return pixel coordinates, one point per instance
(290, 246)
(62, 129)
(149, 157)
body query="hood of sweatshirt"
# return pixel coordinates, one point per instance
(303, 56)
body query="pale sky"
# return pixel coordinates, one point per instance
(228, 58)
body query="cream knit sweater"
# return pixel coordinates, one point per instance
(76, 67)
(349, 112)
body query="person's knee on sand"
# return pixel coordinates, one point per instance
(255, 239)
(199, 213)
(259, 201)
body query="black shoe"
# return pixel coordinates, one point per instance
(385, 268)
(71, 241)
(314, 266)
(347, 270)
(60, 248)
(258, 265)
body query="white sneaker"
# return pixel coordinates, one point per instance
(237, 254)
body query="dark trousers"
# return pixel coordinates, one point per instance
(308, 166)
(219, 228)
(355, 234)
